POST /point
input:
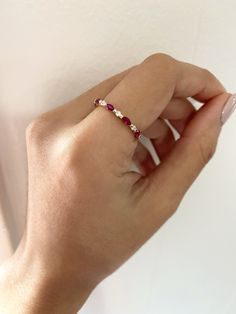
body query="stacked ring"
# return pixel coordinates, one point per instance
(125, 120)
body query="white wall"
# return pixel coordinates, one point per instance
(51, 51)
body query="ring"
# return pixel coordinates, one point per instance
(125, 120)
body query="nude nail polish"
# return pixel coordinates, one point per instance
(228, 109)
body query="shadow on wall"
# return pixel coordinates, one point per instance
(6, 208)
(13, 176)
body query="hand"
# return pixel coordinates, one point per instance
(87, 211)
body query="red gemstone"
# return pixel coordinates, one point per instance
(97, 101)
(110, 107)
(126, 120)
(137, 134)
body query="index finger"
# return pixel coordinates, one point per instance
(196, 82)
(142, 96)
(145, 92)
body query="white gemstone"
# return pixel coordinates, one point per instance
(103, 103)
(119, 114)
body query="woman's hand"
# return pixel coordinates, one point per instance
(87, 211)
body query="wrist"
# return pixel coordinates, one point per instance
(28, 286)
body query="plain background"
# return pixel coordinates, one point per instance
(53, 50)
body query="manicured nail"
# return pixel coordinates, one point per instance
(229, 108)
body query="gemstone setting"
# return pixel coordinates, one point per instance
(125, 120)
(97, 101)
(110, 107)
(103, 103)
(119, 114)
(137, 134)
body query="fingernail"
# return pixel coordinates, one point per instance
(229, 108)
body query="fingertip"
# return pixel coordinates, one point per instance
(228, 108)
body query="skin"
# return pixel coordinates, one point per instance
(87, 211)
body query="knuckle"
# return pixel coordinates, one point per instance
(75, 149)
(36, 129)
(209, 76)
(163, 63)
(159, 58)
(206, 72)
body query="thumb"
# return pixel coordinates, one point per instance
(169, 182)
